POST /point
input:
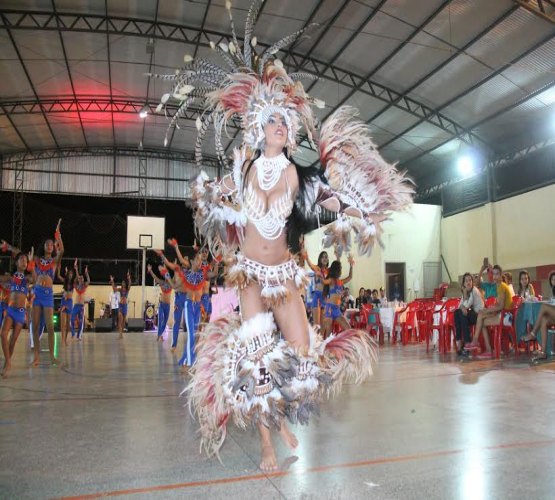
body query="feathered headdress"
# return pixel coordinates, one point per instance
(249, 87)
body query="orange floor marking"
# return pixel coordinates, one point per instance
(322, 468)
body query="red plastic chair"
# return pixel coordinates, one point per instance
(502, 332)
(359, 320)
(408, 328)
(375, 325)
(447, 324)
(397, 323)
(425, 318)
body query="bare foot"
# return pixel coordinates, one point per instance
(184, 369)
(54, 361)
(7, 367)
(268, 463)
(121, 335)
(173, 349)
(288, 437)
(35, 361)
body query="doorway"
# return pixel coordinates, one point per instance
(395, 281)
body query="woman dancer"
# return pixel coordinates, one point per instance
(44, 272)
(320, 274)
(78, 311)
(15, 313)
(178, 284)
(123, 290)
(333, 290)
(67, 301)
(4, 295)
(164, 302)
(242, 370)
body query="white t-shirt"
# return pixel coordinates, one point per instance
(114, 300)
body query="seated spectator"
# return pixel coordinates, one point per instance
(361, 299)
(552, 284)
(491, 316)
(508, 279)
(525, 288)
(347, 300)
(488, 287)
(375, 299)
(467, 313)
(546, 317)
(383, 298)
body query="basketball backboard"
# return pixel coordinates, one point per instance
(145, 232)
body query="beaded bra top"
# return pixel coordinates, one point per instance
(269, 220)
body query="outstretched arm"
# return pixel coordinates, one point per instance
(154, 277)
(114, 287)
(351, 264)
(6, 247)
(76, 269)
(183, 260)
(165, 261)
(312, 266)
(87, 277)
(58, 243)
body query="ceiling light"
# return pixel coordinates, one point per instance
(465, 164)
(144, 112)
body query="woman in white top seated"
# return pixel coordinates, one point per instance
(467, 313)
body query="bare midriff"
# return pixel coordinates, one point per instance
(194, 295)
(17, 300)
(44, 280)
(335, 299)
(267, 252)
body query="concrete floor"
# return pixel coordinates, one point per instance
(109, 422)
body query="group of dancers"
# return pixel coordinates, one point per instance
(28, 299)
(192, 283)
(327, 292)
(265, 364)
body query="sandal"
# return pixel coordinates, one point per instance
(539, 356)
(529, 337)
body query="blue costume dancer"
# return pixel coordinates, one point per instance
(78, 311)
(15, 310)
(165, 299)
(124, 296)
(66, 305)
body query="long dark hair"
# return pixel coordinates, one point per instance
(522, 273)
(69, 283)
(320, 257)
(302, 218)
(20, 254)
(335, 273)
(42, 253)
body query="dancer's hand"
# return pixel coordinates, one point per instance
(75, 264)
(86, 269)
(172, 242)
(6, 247)
(351, 260)
(148, 268)
(57, 233)
(111, 279)
(31, 254)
